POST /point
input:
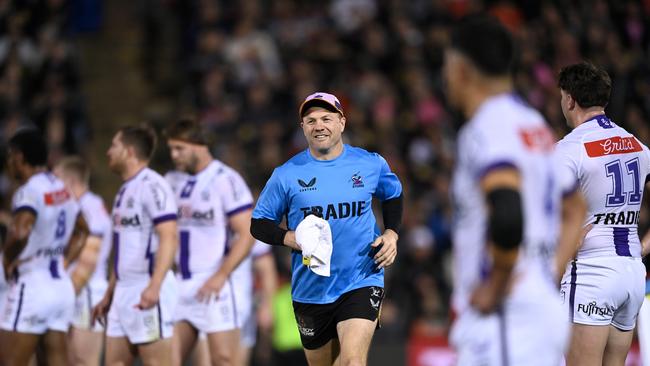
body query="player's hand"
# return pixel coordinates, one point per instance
(212, 286)
(101, 309)
(484, 299)
(388, 248)
(149, 297)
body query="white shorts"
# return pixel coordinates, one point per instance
(142, 326)
(245, 312)
(89, 296)
(526, 332)
(604, 291)
(216, 315)
(38, 303)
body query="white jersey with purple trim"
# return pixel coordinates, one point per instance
(56, 213)
(99, 225)
(142, 202)
(205, 203)
(505, 132)
(612, 167)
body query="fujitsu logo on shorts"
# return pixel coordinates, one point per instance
(593, 309)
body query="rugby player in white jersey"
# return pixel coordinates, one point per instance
(215, 206)
(255, 308)
(89, 271)
(507, 196)
(142, 289)
(604, 286)
(46, 224)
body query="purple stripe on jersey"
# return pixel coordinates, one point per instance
(495, 166)
(185, 255)
(239, 209)
(149, 255)
(25, 208)
(504, 337)
(160, 322)
(572, 290)
(571, 190)
(622, 241)
(54, 268)
(20, 306)
(163, 218)
(116, 250)
(96, 233)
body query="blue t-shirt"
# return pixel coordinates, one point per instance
(342, 190)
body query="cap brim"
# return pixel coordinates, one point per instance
(318, 103)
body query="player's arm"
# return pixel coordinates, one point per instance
(168, 243)
(266, 273)
(17, 236)
(501, 189)
(572, 234)
(86, 262)
(387, 242)
(267, 231)
(77, 241)
(239, 223)
(101, 309)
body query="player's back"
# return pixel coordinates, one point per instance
(612, 166)
(504, 132)
(56, 212)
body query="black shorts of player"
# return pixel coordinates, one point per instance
(317, 322)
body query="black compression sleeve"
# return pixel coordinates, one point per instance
(506, 221)
(392, 212)
(267, 231)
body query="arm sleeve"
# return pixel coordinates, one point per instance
(27, 199)
(491, 151)
(392, 213)
(235, 194)
(273, 201)
(159, 201)
(388, 186)
(566, 159)
(95, 215)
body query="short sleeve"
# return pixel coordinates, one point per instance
(96, 217)
(388, 186)
(273, 201)
(566, 158)
(260, 249)
(26, 199)
(491, 151)
(159, 202)
(235, 194)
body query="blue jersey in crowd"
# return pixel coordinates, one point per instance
(342, 190)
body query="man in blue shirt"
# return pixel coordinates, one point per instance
(336, 315)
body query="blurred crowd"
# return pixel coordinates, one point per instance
(40, 77)
(247, 65)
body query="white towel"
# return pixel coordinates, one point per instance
(314, 237)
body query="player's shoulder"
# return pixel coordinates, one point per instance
(92, 201)
(221, 170)
(152, 177)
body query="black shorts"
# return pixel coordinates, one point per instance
(317, 322)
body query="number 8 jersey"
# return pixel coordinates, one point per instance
(612, 167)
